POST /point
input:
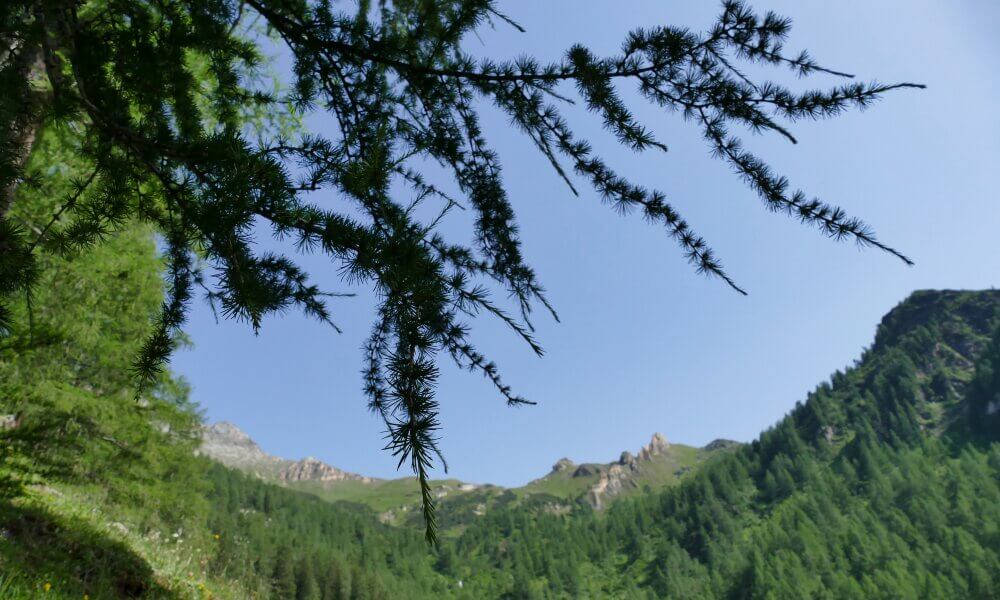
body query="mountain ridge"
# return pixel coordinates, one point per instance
(656, 463)
(920, 366)
(226, 443)
(883, 482)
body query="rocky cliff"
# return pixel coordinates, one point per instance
(656, 464)
(231, 446)
(625, 475)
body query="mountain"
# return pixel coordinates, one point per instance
(883, 482)
(656, 465)
(231, 446)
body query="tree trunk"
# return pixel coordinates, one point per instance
(20, 133)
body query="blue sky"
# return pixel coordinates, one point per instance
(645, 344)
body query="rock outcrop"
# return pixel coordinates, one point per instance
(587, 470)
(721, 444)
(616, 478)
(656, 446)
(311, 469)
(562, 464)
(231, 446)
(655, 462)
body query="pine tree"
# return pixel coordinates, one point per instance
(306, 587)
(333, 584)
(176, 134)
(283, 576)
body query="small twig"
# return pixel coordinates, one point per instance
(69, 204)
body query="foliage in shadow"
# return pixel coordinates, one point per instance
(73, 555)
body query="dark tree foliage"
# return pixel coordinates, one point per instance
(338, 552)
(163, 95)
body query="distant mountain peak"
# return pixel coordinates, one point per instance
(228, 444)
(312, 469)
(975, 310)
(562, 464)
(656, 446)
(231, 446)
(656, 464)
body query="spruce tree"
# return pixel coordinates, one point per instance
(283, 581)
(306, 587)
(333, 582)
(179, 132)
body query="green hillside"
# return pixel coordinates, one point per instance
(573, 483)
(883, 483)
(397, 501)
(101, 494)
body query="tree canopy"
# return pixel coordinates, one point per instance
(182, 126)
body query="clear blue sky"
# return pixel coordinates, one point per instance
(645, 344)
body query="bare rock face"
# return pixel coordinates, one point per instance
(617, 479)
(231, 446)
(656, 446)
(628, 461)
(311, 469)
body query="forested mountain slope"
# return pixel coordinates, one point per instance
(656, 465)
(884, 483)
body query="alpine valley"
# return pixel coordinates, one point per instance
(656, 465)
(883, 482)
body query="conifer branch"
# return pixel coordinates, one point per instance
(170, 147)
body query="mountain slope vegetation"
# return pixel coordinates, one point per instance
(883, 483)
(398, 501)
(101, 493)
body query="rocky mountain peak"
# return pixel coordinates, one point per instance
(225, 429)
(957, 316)
(313, 469)
(657, 445)
(231, 446)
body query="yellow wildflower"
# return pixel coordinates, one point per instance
(47, 587)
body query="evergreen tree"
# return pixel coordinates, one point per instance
(306, 587)
(283, 582)
(178, 135)
(333, 585)
(984, 412)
